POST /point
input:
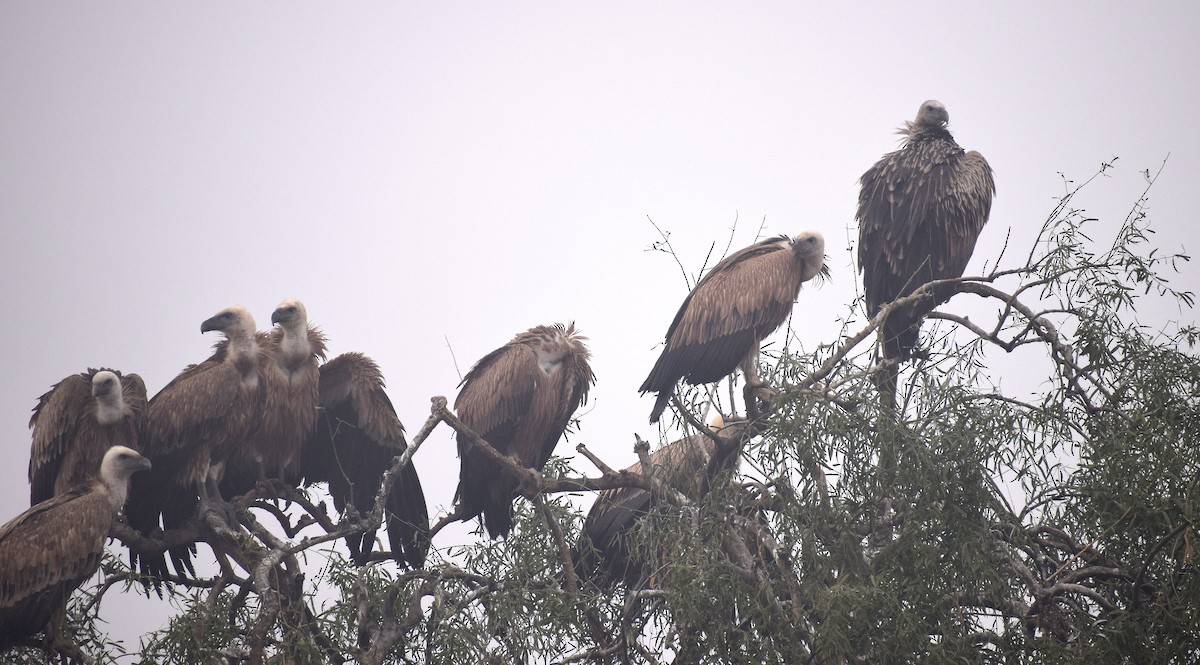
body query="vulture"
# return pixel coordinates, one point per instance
(606, 554)
(193, 425)
(520, 399)
(731, 310)
(356, 437)
(292, 353)
(47, 551)
(74, 423)
(920, 211)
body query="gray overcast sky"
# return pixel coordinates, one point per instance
(443, 175)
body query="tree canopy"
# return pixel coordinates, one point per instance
(1055, 522)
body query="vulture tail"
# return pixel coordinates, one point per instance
(660, 405)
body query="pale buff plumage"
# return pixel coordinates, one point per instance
(742, 300)
(520, 399)
(290, 357)
(193, 425)
(605, 554)
(76, 422)
(47, 551)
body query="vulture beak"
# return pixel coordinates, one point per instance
(211, 324)
(277, 316)
(142, 464)
(102, 388)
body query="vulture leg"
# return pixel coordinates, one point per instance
(56, 640)
(211, 487)
(757, 393)
(885, 378)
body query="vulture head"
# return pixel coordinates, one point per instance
(931, 116)
(291, 316)
(809, 249)
(553, 344)
(236, 322)
(106, 391)
(118, 465)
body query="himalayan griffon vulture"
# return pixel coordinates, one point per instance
(920, 211)
(193, 425)
(608, 550)
(47, 551)
(74, 423)
(356, 438)
(292, 353)
(520, 399)
(730, 311)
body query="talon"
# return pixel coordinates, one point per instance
(759, 399)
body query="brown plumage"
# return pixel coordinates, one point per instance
(74, 423)
(356, 438)
(731, 310)
(194, 424)
(606, 553)
(520, 399)
(47, 551)
(291, 355)
(920, 211)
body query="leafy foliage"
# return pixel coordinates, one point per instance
(973, 524)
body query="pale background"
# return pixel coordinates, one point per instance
(436, 177)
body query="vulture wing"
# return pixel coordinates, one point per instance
(606, 553)
(495, 401)
(46, 552)
(56, 418)
(741, 300)
(68, 439)
(920, 211)
(357, 436)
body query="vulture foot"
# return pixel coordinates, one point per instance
(274, 488)
(759, 397)
(62, 645)
(218, 509)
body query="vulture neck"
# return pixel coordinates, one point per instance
(116, 487)
(917, 132)
(110, 408)
(550, 354)
(243, 353)
(294, 350)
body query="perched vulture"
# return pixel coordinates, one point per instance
(74, 423)
(47, 551)
(605, 555)
(723, 320)
(193, 425)
(356, 438)
(520, 399)
(920, 211)
(292, 354)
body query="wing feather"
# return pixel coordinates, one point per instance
(55, 422)
(605, 546)
(497, 391)
(58, 541)
(521, 409)
(921, 210)
(356, 439)
(743, 299)
(69, 442)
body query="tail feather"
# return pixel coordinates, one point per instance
(660, 405)
(498, 518)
